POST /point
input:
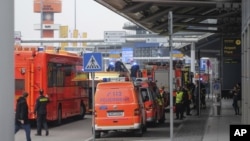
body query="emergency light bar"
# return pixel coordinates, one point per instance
(139, 80)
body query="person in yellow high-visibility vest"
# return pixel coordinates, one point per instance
(179, 104)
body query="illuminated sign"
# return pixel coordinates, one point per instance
(231, 48)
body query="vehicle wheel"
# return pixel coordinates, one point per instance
(157, 120)
(139, 132)
(162, 119)
(97, 134)
(59, 116)
(154, 122)
(144, 128)
(82, 111)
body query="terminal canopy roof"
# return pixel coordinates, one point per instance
(219, 18)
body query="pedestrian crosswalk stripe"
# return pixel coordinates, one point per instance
(92, 63)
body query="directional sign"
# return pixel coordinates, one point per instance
(114, 33)
(114, 40)
(156, 40)
(92, 62)
(114, 36)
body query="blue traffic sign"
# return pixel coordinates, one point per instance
(92, 62)
(216, 86)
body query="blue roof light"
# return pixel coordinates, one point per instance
(134, 63)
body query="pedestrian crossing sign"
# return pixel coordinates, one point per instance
(92, 62)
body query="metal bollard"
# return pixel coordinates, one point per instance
(218, 109)
(217, 106)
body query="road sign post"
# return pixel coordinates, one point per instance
(92, 62)
(170, 30)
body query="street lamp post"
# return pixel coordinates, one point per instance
(75, 15)
(170, 30)
(41, 25)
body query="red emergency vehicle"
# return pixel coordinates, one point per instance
(53, 71)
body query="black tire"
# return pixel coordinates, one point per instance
(154, 122)
(144, 128)
(59, 116)
(139, 132)
(151, 124)
(162, 120)
(97, 134)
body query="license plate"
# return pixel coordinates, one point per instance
(115, 114)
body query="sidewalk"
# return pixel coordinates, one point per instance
(208, 126)
(193, 127)
(217, 128)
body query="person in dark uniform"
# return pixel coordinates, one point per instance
(186, 99)
(197, 97)
(203, 95)
(21, 118)
(235, 101)
(41, 112)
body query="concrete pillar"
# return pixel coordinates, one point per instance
(7, 70)
(192, 68)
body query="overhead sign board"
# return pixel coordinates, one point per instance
(114, 33)
(92, 62)
(114, 36)
(114, 40)
(231, 47)
(156, 40)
